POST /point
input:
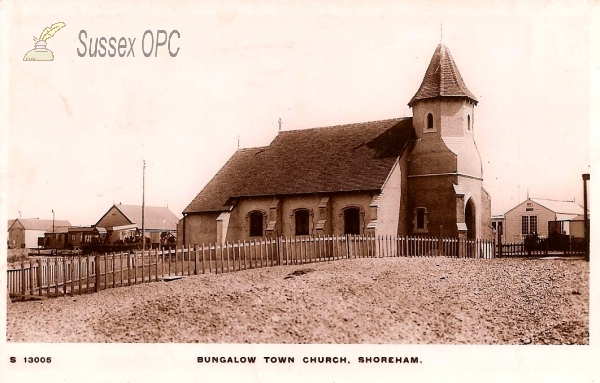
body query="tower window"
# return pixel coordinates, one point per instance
(429, 121)
(256, 224)
(468, 122)
(302, 222)
(420, 220)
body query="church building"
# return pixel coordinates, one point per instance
(418, 176)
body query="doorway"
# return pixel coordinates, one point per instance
(470, 219)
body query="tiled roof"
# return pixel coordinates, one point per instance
(319, 160)
(59, 230)
(155, 217)
(442, 78)
(41, 224)
(564, 207)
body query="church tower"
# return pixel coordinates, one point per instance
(444, 169)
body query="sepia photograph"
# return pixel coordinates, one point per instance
(274, 190)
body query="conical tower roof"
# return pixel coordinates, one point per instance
(442, 79)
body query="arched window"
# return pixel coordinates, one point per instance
(429, 121)
(468, 122)
(352, 220)
(256, 224)
(302, 219)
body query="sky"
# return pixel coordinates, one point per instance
(79, 128)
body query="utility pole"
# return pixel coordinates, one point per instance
(143, 207)
(586, 222)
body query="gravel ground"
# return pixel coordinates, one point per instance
(389, 300)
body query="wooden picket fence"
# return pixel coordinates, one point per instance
(519, 249)
(70, 275)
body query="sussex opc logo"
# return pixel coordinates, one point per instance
(40, 52)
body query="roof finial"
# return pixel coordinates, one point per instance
(441, 32)
(279, 123)
(238, 141)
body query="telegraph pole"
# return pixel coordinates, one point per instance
(586, 222)
(143, 207)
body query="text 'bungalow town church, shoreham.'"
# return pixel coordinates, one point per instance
(406, 176)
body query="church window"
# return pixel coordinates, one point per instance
(302, 218)
(352, 220)
(429, 121)
(420, 220)
(468, 122)
(256, 224)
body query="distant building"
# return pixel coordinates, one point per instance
(24, 232)
(57, 240)
(419, 175)
(574, 227)
(498, 225)
(124, 221)
(541, 216)
(81, 235)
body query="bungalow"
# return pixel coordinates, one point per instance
(537, 215)
(24, 232)
(125, 221)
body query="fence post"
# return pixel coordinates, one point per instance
(441, 240)
(40, 277)
(121, 268)
(97, 267)
(278, 247)
(64, 275)
(189, 253)
(22, 274)
(30, 277)
(182, 257)
(112, 264)
(162, 260)
(499, 243)
(105, 271)
(142, 252)
(347, 237)
(210, 257)
(195, 259)
(79, 272)
(72, 275)
(203, 268)
(223, 259)
(245, 256)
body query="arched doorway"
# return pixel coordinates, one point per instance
(470, 219)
